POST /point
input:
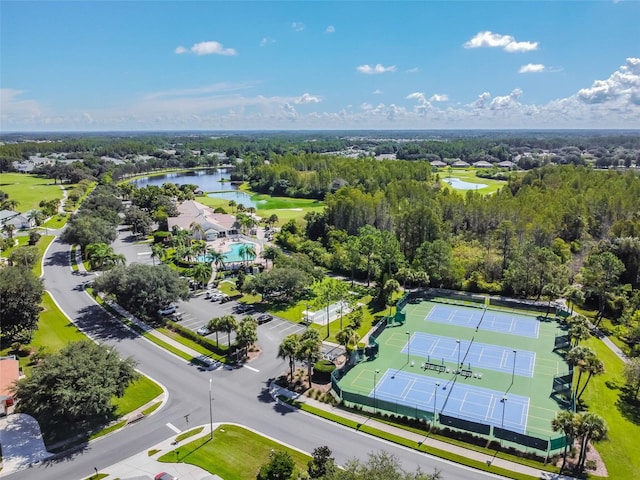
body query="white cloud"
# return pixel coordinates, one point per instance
(613, 102)
(267, 41)
(439, 97)
(306, 98)
(532, 68)
(377, 91)
(413, 70)
(377, 69)
(496, 40)
(482, 100)
(297, 26)
(207, 48)
(623, 84)
(507, 101)
(330, 29)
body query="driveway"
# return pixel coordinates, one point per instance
(21, 441)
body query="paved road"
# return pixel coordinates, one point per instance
(240, 396)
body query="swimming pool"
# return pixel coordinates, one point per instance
(234, 255)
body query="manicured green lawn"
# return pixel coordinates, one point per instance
(605, 397)
(42, 245)
(57, 221)
(234, 454)
(190, 433)
(136, 395)
(284, 207)
(469, 175)
(29, 190)
(54, 331)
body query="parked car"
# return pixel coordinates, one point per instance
(225, 298)
(164, 476)
(264, 318)
(168, 310)
(203, 330)
(176, 316)
(243, 307)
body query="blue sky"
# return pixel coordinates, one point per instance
(166, 65)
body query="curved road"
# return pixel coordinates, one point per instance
(240, 396)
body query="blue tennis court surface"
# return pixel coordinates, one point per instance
(458, 400)
(493, 321)
(478, 355)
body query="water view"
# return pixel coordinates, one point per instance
(462, 185)
(210, 180)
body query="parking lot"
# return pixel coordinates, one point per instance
(197, 311)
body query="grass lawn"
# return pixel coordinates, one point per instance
(57, 221)
(29, 190)
(469, 175)
(284, 207)
(139, 393)
(42, 245)
(604, 396)
(54, 331)
(234, 454)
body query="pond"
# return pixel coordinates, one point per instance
(210, 180)
(458, 184)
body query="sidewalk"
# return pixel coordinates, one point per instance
(144, 466)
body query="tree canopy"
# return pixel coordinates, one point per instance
(20, 296)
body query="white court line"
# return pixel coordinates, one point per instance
(451, 315)
(503, 360)
(407, 389)
(524, 414)
(511, 326)
(434, 345)
(492, 407)
(174, 428)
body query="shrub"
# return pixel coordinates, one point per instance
(200, 340)
(160, 236)
(322, 370)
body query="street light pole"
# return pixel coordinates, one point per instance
(408, 345)
(210, 411)
(327, 314)
(513, 372)
(375, 375)
(504, 404)
(458, 366)
(435, 403)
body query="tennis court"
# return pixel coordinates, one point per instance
(485, 320)
(452, 398)
(477, 355)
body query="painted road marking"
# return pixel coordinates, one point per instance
(174, 428)
(252, 369)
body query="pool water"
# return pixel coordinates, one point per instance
(230, 256)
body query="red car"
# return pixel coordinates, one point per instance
(164, 476)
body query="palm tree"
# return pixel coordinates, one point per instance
(240, 208)
(565, 422)
(10, 228)
(574, 296)
(157, 251)
(247, 333)
(201, 273)
(593, 366)
(228, 323)
(9, 204)
(272, 220)
(577, 357)
(391, 286)
(288, 349)
(197, 230)
(97, 254)
(270, 253)
(36, 216)
(217, 258)
(246, 251)
(578, 329)
(589, 427)
(309, 350)
(232, 205)
(215, 325)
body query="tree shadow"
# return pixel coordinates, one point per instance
(57, 259)
(629, 405)
(98, 324)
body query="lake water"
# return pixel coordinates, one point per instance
(458, 184)
(210, 180)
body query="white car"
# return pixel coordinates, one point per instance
(203, 330)
(168, 310)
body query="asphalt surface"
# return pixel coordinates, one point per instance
(240, 395)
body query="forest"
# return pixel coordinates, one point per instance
(560, 226)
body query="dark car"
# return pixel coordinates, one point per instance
(264, 318)
(243, 307)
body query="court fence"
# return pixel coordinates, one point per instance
(528, 440)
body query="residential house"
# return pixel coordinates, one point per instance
(215, 225)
